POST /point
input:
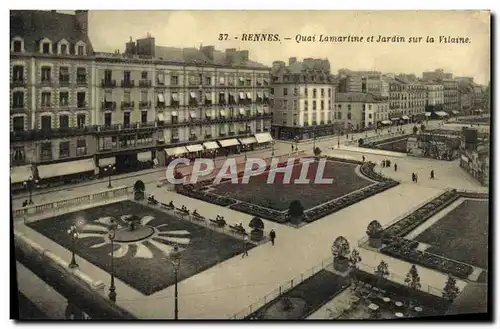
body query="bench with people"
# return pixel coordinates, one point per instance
(238, 228)
(170, 205)
(183, 210)
(197, 216)
(152, 200)
(219, 221)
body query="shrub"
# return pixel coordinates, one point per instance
(139, 189)
(296, 209)
(361, 142)
(256, 224)
(374, 229)
(317, 151)
(382, 270)
(341, 248)
(412, 278)
(450, 290)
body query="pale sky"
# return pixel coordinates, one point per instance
(110, 30)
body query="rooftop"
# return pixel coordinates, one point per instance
(357, 97)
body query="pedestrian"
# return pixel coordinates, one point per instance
(432, 174)
(395, 166)
(25, 203)
(272, 236)
(245, 251)
(413, 177)
(292, 148)
(363, 157)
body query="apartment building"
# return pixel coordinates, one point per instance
(435, 94)
(77, 111)
(375, 84)
(407, 100)
(465, 96)
(436, 75)
(360, 111)
(303, 98)
(450, 96)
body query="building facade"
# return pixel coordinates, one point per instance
(450, 96)
(77, 111)
(303, 98)
(436, 75)
(375, 84)
(435, 94)
(360, 111)
(406, 101)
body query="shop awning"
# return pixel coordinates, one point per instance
(266, 95)
(20, 174)
(405, 117)
(192, 114)
(455, 112)
(192, 94)
(211, 145)
(174, 113)
(394, 119)
(107, 161)
(66, 168)
(248, 140)
(263, 138)
(242, 95)
(242, 111)
(479, 110)
(176, 151)
(160, 98)
(194, 148)
(160, 117)
(208, 114)
(427, 114)
(249, 95)
(386, 122)
(144, 156)
(175, 97)
(441, 113)
(222, 112)
(228, 142)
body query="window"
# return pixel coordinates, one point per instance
(314, 92)
(144, 95)
(18, 123)
(126, 118)
(322, 92)
(81, 147)
(369, 116)
(81, 75)
(144, 74)
(46, 150)
(144, 116)
(81, 50)
(126, 76)
(80, 120)
(46, 122)
(64, 121)
(80, 99)
(294, 104)
(272, 91)
(18, 46)
(314, 105)
(46, 73)
(174, 80)
(348, 107)
(108, 75)
(64, 49)
(63, 98)
(18, 154)
(322, 104)
(64, 150)
(340, 115)
(18, 99)
(46, 99)
(285, 104)
(285, 91)
(63, 74)
(306, 105)
(348, 115)
(208, 81)
(46, 48)
(126, 96)
(18, 73)
(107, 119)
(305, 92)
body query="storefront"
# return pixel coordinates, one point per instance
(248, 143)
(211, 149)
(230, 146)
(405, 119)
(174, 153)
(263, 140)
(145, 160)
(67, 171)
(20, 174)
(195, 151)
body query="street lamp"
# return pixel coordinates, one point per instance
(111, 235)
(272, 145)
(30, 184)
(245, 148)
(175, 258)
(73, 233)
(109, 169)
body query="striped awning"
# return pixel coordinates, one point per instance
(176, 151)
(455, 112)
(194, 148)
(405, 117)
(263, 138)
(386, 122)
(211, 145)
(20, 174)
(228, 142)
(394, 119)
(441, 113)
(144, 156)
(248, 140)
(66, 168)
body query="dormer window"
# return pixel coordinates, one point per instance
(17, 45)
(45, 46)
(80, 48)
(63, 47)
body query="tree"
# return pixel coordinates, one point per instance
(139, 189)
(415, 129)
(412, 278)
(317, 151)
(354, 259)
(341, 248)
(296, 209)
(450, 291)
(374, 229)
(361, 142)
(382, 271)
(256, 224)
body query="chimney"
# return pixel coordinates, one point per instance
(230, 52)
(82, 18)
(292, 60)
(208, 51)
(243, 54)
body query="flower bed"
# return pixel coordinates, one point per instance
(416, 218)
(192, 192)
(260, 212)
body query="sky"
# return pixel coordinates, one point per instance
(110, 30)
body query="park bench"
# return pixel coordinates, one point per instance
(237, 229)
(218, 222)
(197, 217)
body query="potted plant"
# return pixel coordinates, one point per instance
(340, 252)
(296, 212)
(257, 226)
(361, 142)
(139, 189)
(374, 232)
(317, 152)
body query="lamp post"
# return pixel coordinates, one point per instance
(73, 233)
(314, 140)
(111, 235)
(109, 169)
(175, 258)
(297, 144)
(30, 184)
(245, 148)
(272, 145)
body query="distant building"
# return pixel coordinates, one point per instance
(303, 98)
(436, 75)
(450, 96)
(406, 100)
(435, 94)
(477, 163)
(375, 84)
(359, 111)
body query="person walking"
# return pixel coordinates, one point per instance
(363, 157)
(395, 166)
(292, 148)
(413, 177)
(245, 251)
(272, 236)
(432, 174)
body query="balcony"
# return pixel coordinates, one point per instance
(222, 134)
(108, 106)
(19, 82)
(18, 108)
(46, 82)
(64, 80)
(125, 128)
(64, 104)
(128, 84)
(145, 83)
(144, 104)
(108, 83)
(81, 81)
(127, 106)
(81, 105)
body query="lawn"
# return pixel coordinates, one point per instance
(143, 265)
(461, 235)
(278, 196)
(306, 297)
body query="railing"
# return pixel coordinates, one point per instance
(282, 289)
(70, 202)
